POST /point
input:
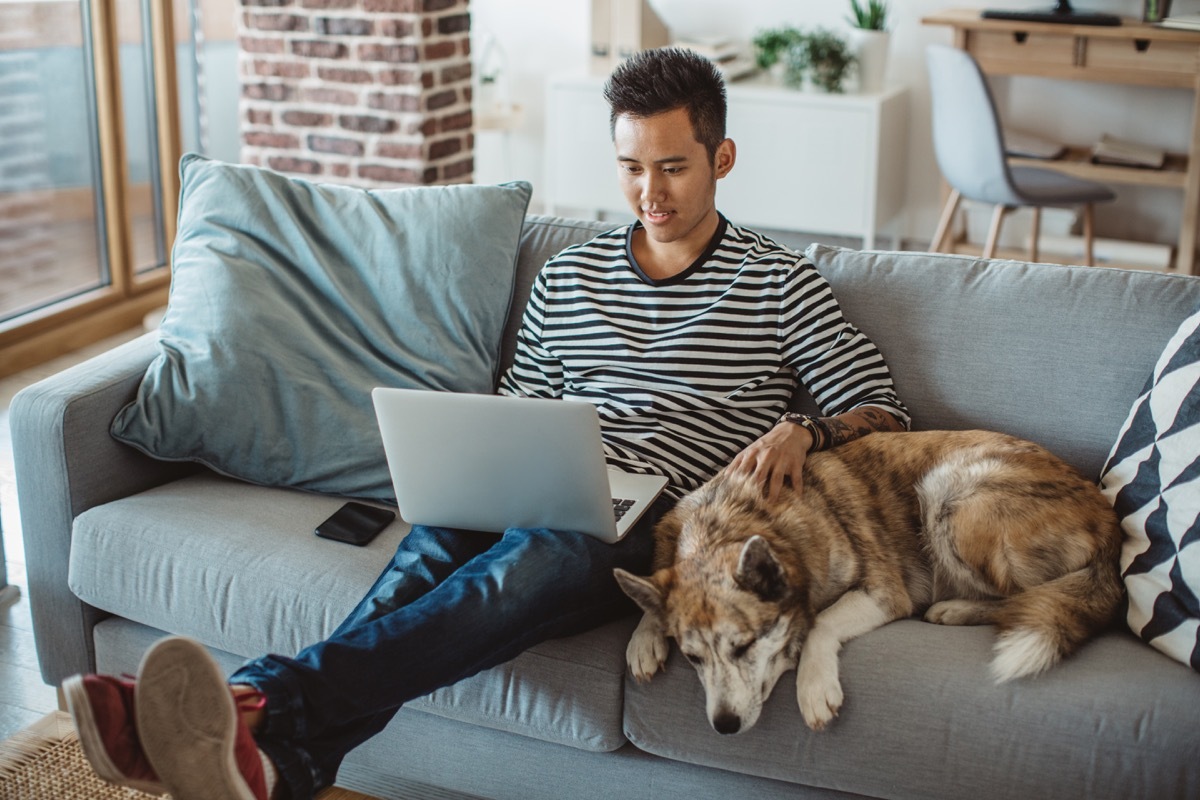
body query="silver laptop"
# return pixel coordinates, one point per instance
(489, 463)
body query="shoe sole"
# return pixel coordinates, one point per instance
(188, 722)
(80, 707)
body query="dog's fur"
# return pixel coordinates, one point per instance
(967, 528)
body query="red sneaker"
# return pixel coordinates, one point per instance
(191, 729)
(102, 710)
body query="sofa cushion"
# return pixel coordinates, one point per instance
(290, 301)
(237, 566)
(922, 719)
(1049, 353)
(1153, 481)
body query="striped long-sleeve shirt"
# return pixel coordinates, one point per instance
(686, 372)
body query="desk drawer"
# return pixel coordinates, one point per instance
(1160, 59)
(1025, 51)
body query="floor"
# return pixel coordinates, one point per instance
(24, 698)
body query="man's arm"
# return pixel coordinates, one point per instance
(843, 371)
(535, 372)
(778, 456)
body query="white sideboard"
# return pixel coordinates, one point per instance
(806, 161)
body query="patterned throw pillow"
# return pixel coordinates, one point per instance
(1152, 479)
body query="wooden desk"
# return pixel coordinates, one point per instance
(1132, 53)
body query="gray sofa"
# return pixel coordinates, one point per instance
(122, 549)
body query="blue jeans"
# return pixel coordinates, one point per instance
(450, 604)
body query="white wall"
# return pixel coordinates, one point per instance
(541, 37)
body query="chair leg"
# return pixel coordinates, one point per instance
(1034, 233)
(946, 220)
(1089, 258)
(989, 247)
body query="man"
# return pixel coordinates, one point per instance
(687, 332)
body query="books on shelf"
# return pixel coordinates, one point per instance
(1187, 22)
(1111, 150)
(714, 48)
(725, 54)
(1031, 145)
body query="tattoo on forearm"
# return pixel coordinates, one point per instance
(839, 431)
(879, 420)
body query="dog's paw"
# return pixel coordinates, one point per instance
(960, 612)
(819, 693)
(647, 651)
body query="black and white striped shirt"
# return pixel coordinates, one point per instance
(687, 372)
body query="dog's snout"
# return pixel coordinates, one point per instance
(727, 722)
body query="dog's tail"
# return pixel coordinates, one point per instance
(1041, 626)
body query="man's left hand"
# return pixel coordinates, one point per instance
(776, 457)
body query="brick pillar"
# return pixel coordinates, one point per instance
(365, 92)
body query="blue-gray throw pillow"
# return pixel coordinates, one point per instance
(291, 300)
(1153, 480)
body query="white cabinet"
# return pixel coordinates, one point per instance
(811, 162)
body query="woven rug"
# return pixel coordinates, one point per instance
(45, 762)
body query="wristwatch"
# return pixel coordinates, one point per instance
(812, 424)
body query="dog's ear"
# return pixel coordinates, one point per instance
(644, 591)
(758, 571)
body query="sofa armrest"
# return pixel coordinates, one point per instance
(66, 462)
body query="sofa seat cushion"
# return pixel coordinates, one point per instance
(237, 566)
(922, 719)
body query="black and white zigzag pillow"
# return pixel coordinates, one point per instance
(1152, 478)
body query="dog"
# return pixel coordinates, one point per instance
(964, 527)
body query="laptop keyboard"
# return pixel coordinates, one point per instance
(621, 506)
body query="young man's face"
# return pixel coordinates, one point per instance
(667, 177)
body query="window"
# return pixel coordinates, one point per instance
(90, 140)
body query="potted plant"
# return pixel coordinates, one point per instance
(870, 15)
(771, 45)
(871, 40)
(824, 58)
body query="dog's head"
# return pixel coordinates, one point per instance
(731, 606)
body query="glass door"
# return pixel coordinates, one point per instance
(89, 151)
(51, 226)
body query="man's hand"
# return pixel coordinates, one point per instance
(779, 454)
(775, 457)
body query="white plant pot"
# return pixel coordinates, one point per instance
(871, 47)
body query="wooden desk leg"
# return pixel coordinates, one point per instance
(1089, 235)
(1035, 230)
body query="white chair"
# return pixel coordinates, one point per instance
(970, 150)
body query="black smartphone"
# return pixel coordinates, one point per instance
(355, 523)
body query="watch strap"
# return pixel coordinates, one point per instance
(814, 425)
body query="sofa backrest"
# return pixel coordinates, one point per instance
(1049, 353)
